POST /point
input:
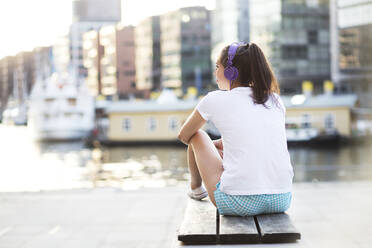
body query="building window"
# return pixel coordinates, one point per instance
(312, 37)
(129, 73)
(173, 123)
(329, 121)
(190, 76)
(126, 124)
(72, 101)
(288, 71)
(187, 53)
(152, 124)
(306, 122)
(294, 52)
(49, 100)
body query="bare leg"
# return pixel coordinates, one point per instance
(208, 161)
(196, 180)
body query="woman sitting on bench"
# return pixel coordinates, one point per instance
(248, 171)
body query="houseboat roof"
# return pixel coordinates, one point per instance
(150, 106)
(299, 101)
(320, 101)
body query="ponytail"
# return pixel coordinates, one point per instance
(262, 76)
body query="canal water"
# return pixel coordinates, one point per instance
(26, 165)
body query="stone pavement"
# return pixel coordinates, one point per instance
(327, 215)
(91, 218)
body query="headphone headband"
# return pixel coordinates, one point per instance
(232, 50)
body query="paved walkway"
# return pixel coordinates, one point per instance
(91, 218)
(327, 215)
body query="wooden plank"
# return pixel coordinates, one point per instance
(277, 228)
(199, 223)
(238, 230)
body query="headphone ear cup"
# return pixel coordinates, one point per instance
(231, 73)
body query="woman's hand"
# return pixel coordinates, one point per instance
(219, 145)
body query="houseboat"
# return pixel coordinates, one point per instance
(325, 117)
(138, 121)
(319, 118)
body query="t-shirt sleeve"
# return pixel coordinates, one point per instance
(281, 103)
(205, 106)
(282, 106)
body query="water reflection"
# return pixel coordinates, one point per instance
(133, 167)
(344, 163)
(28, 166)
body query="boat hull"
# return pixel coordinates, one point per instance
(60, 135)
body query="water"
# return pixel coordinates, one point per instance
(30, 166)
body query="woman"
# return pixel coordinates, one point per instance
(248, 171)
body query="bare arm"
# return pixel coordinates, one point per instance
(193, 123)
(219, 145)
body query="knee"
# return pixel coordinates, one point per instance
(189, 147)
(197, 135)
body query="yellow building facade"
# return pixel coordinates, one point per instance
(322, 119)
(147, 120)
(146, 126)
(328, 114)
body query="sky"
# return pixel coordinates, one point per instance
(26, 24)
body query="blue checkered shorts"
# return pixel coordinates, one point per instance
(249, 205)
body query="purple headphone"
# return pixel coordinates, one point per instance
(231, 72)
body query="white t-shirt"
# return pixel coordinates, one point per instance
(255, 156)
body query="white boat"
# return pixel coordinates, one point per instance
(59, 109)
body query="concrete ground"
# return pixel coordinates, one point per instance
(327, 215)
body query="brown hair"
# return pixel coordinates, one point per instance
(254, 70)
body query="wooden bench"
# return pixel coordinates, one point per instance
(203, 224)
